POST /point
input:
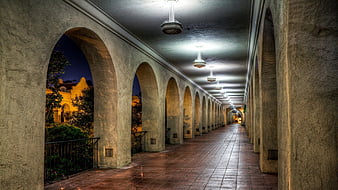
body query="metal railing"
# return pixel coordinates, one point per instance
(64, 158)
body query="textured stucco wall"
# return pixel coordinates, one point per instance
(257, 108)
(267, 95)
(306, 41)
(312, 54)
(29, 31)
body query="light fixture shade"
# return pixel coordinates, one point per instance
(199, 63)
(211, 79)
(218, 86)
(171, 26)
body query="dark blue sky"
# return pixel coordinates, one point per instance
(79, 66)
(136, 87)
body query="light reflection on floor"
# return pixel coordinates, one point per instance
(222, 159)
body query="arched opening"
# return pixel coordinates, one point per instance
(234, 115)
(78, 103)
(137, 133)
(68, 77)
(172, 132)
(213, 116)
(209, 116)
(217, 116)
(187, 114)
(256, 106)
(150, 108)
(197, 120)
(69, 112)
(204, 116)
(268, 103)
(252, 111)
(223, 116)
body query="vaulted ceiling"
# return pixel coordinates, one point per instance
(221, 27)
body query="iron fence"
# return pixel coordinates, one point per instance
(137, 141)
(64, 158)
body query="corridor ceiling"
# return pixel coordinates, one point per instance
(222, 27)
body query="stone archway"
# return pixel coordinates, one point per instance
(256, 107)
(204, 116)
(188, 131)
(150, 107)
(172, 131)
(268, 99)
(213, 111)
(209, 116)
(197, 120)
(105, 94)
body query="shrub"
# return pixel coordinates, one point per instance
(63, 132)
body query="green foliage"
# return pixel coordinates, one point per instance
(56, 68)
(63, 132)
(66, 157)
(84, 117)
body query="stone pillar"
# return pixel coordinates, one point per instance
(248, 112)
(252, 114)
(172, 113)
(197, 115)
(268, 96)
(308, 138)
(256, 105)
(204, 116)
(187, 115)
(208, 127)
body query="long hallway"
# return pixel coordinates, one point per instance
(222, 159)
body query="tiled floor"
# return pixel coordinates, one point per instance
(222, 159)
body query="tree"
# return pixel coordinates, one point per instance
(56, 69)
(84, 117)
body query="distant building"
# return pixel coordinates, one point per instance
(136, 114)
(135, 101)
(69, 91)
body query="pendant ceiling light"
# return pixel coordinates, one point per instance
(199, 62)
(171, 26)
(223, 90)
(218, 86)
(211, 78)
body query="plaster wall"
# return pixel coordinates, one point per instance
(306, 40)
(257, 109)
(197, 115)
(268, 97)
(28, 35)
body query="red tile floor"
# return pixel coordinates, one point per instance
(221, 159)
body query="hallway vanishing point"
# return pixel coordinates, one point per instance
(222, 159)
